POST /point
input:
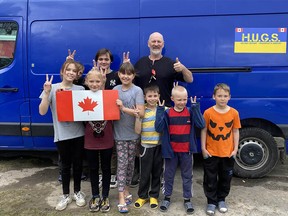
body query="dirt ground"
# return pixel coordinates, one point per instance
(29, 186)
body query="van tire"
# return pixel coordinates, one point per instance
(257, 153)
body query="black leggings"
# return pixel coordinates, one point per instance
(93, 161)
(71, 153)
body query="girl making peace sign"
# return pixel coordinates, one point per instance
(68, 136)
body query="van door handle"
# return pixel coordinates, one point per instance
(9, 89)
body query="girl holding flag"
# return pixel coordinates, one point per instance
(99, 141)
(68, 136)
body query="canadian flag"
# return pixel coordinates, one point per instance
(282, 29)
(239, 29)
(87, 105)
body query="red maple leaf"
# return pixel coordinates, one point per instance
(88, 104)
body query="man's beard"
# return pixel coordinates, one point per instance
(156, 51)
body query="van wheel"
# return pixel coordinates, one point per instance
(257, 153)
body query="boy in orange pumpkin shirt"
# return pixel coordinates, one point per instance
(219, 143)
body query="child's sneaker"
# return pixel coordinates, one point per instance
(105, 205)
(79, 198)
(113, 182)
(63, 202)
(222, 207)
(210, 209)
(94, 204)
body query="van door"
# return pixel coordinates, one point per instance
(12, 88)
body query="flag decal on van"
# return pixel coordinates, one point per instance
(260, 40)
(87, 105)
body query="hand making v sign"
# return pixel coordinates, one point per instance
(71, 55)
(48, 84)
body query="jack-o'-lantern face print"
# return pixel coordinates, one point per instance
(217, 131)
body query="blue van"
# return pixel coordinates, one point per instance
(242, 43)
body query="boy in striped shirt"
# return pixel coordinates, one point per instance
(177, 125)
(150, 151)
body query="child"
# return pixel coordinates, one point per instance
(98, 141)
(68, 136)
(104, 58)
(77, 81)
(150, 152)
(131, 103)
(219, 143)
(178, 143)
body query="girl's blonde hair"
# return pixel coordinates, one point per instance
(96, 73)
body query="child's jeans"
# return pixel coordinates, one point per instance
(185, 160)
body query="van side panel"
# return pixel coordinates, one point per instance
(84, 9)
(201, 33)
(51, 36)
(186, 8)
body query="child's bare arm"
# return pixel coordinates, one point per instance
(236, 142)
(205, 153)
(138, 125)
(134, 111)
(44, 105)
(140, 109)
(138, 120)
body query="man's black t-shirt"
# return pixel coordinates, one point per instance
(164, 73)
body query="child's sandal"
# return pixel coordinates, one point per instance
(128, 199)
(122, 208)
(153, 203)
(140, 202)
(188, 207)
(164, 205)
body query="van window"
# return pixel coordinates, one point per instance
(8, 34)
